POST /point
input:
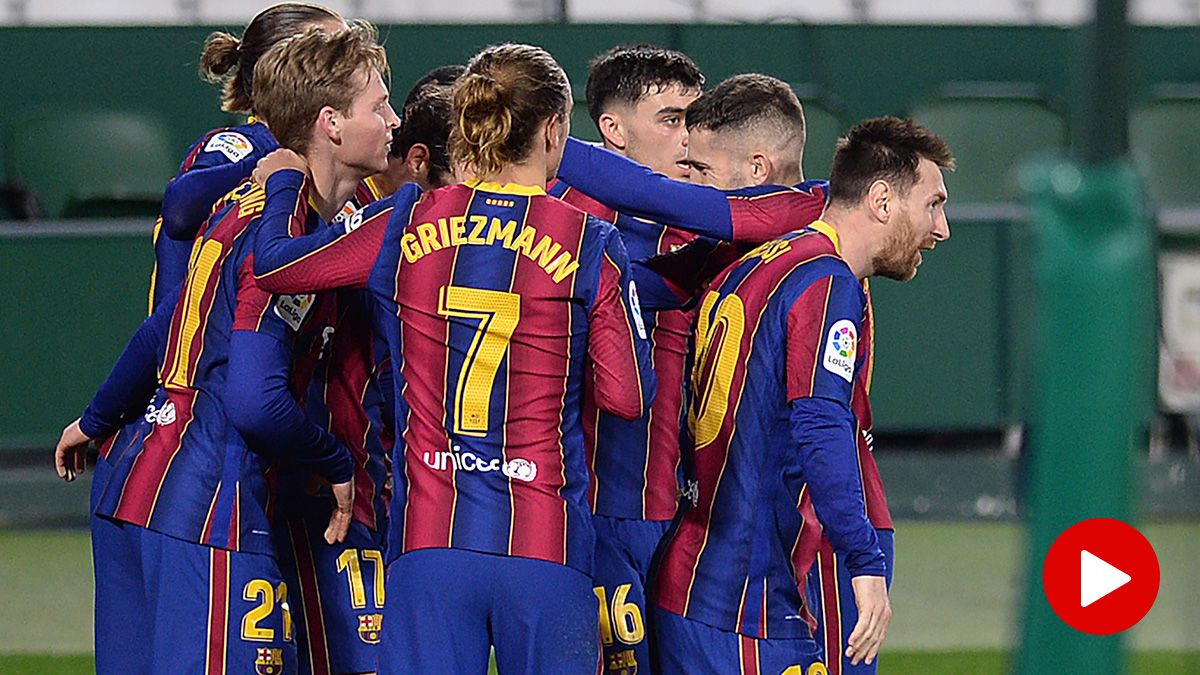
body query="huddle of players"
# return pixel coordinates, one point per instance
(484, 383)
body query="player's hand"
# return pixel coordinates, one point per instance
(70, 455)
(339, 522)
(277, 160)
(874, 613)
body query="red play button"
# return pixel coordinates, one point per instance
(1101, 576)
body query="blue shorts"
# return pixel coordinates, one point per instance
(336, 595)
(831, 599)
(446, 607)
(683, 646)
(215, 611)
(624, 550)
(122, 621)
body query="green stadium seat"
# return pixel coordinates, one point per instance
(824, 126)
(1164, 135)
(92, 164)
(992, 129)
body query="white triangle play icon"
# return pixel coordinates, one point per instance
(1097, 578)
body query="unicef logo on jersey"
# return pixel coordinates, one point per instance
(161, 416)
(520, 469)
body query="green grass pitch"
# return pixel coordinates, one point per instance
(956, 602)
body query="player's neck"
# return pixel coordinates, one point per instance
(854, 242)
(530, 172)
(332, 185)
(794, 177)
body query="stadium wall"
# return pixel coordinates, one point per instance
(950, 355)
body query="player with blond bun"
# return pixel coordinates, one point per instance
(497, 300)
(225, 156)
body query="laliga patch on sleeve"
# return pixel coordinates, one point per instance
(840, 349)
(293, 308)
(231, 144)
(635, 308)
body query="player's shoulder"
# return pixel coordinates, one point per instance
(236, 210)
(581, 200)
(798, 260)
(238, 142)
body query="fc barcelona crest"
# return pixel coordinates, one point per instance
(269, 661)
(369, 628)
(623, 663)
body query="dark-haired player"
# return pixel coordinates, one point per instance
(781, 341)
(224, 157)
(637, 95)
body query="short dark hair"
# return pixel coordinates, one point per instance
(443, 76)
(883, 148)
(627, 73)
(745, 100)
(427, 117)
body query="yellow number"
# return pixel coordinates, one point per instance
(262, 591)
(729, 323)
(203, 265)
(606, 632)
(793, 670)
(376, 556)
(498, 313)
(816, 669)
(348, 561)
(281, 593)
(625, 616)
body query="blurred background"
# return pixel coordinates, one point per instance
(961, 351)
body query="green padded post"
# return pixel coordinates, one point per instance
(1093, 376)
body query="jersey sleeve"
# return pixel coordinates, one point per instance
(823, 437)
(134, 376)
(625, 185)
(213, 167)
(740, 216)
(617, 343)
(261, 407)
(333, 257)
(824, 326)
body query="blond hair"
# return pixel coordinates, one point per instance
(507, 91)
(304, 73)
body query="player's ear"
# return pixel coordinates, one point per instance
(556, 132)
(329, 121)
(881, 200)
(612, 130)
(760, 167)
(416, 160)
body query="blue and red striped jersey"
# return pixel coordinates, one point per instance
(191, 475)
(212, 166)
(780, 326)
(343, 392)
(634, 464)
(492, 299)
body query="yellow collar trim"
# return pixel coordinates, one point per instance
(373, 187)
(827, 230)
(507, 188)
